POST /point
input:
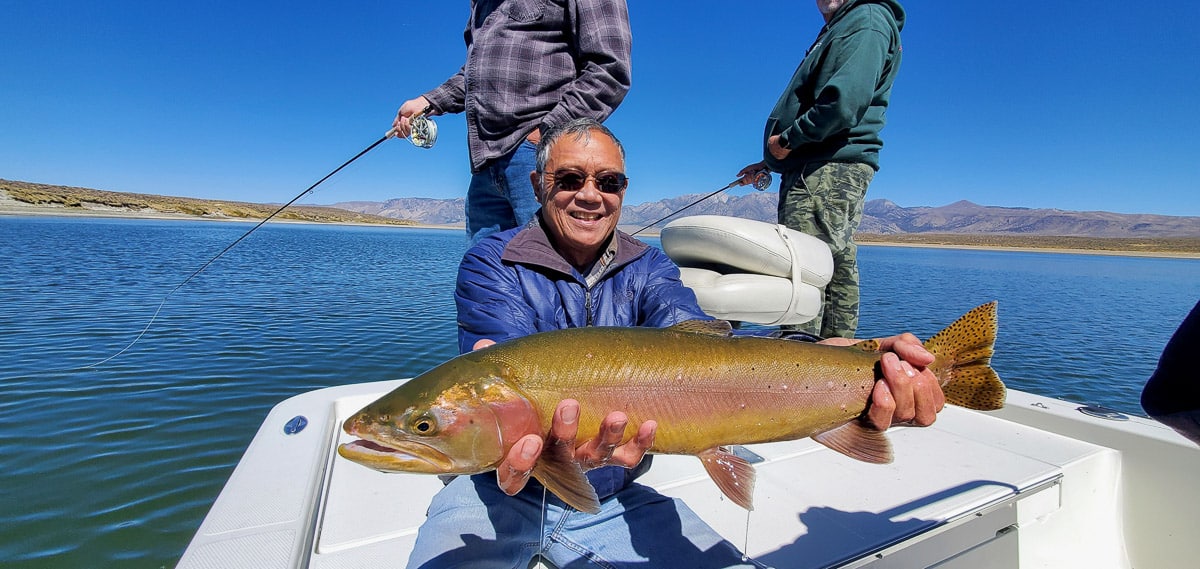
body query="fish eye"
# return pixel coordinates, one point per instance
(424, 425)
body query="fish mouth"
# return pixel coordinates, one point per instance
(409, 457)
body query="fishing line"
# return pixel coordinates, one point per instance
(542, 529)
(761, 182)
(423, 135)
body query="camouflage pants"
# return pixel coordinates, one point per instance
(825, 200)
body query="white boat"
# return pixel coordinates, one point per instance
(1039, 483)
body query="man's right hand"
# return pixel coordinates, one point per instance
(402, 125)
(751, 173)
(604, 450)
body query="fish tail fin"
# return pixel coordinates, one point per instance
(962, 360)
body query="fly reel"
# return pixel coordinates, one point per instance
(424, 131)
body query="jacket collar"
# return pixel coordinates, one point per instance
(532, 246)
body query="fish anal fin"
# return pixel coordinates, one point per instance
(710, 327)
(732, 474)
(858, 441)
(557, 470)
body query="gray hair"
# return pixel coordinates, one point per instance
(581, 129)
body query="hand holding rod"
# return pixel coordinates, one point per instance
(422, 131)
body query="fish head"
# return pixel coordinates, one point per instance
(446, 421)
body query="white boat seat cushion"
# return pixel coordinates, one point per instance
(749, 271)
(743, 297)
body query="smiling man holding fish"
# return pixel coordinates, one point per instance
(571, 269)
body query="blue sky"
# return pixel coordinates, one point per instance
(1077, 106)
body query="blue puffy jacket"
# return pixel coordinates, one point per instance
(513, 284)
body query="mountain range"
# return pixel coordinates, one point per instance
(879, 216)
(882, 219)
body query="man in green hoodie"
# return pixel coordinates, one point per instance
(823, 137)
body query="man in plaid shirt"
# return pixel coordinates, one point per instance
(531, 65)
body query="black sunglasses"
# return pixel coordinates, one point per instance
(574, 180)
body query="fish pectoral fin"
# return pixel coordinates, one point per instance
(733, 475)
(557, 470)
(858, 441)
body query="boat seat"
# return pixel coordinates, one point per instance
(749, 271)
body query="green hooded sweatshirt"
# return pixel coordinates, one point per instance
(836, 103)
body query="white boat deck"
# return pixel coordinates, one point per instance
(975, 490)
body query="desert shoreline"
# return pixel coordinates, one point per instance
(1101, 252)
(11, 207)
(14, 208)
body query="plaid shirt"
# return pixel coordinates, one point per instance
(536, 62)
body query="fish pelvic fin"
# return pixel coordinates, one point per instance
(963, 354)
(732, 474)
(858, 441)
(557, 470)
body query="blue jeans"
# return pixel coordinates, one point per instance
(471, 523)
(500, 196)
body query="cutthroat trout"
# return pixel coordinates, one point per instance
(706, 388)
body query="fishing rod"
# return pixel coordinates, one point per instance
(761, 181)
(422, 135)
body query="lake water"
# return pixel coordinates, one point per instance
(116, 464)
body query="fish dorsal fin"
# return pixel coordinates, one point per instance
(733, 475)
(710, 327)
(867, 345)
(557, 470)
(859, 442)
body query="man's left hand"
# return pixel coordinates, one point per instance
(908, 393)
(777, 150)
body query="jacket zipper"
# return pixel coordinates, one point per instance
(587, 304)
